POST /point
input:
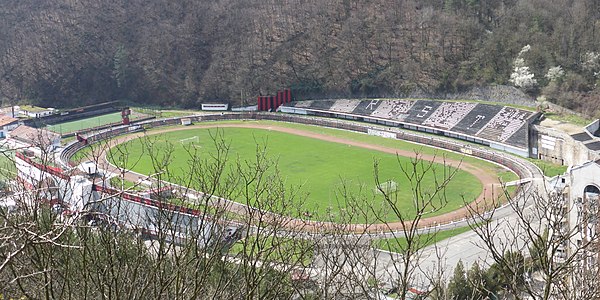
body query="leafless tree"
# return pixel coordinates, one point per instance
(107, 250)
(536, 251)
(428, 200)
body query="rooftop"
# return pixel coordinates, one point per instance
(34, 136)
(567, 127)
(6, 120)
(31, 108)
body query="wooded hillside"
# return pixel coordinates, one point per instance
(73, 52)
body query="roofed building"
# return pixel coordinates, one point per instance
(37, 137)
(35, 112)
(7, 124)
(575, 214)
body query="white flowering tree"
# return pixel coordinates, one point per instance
(591, 61)
(521, 76)
(555, 74)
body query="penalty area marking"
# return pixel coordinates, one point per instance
(194, 138)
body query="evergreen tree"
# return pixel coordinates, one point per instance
(480, 283)
(458, 287)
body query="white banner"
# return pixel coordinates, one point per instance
(385, 134)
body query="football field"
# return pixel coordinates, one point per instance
(332, 177)
(86, 123)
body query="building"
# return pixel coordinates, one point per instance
(35, 112)
(215, 106)
(36, 137)
(91, 197)
(7, 124)
(574, 212)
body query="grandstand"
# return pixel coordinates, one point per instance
(325, 104)
(449, 114)
(302, 104)
(345, 106)
(365, 107)
(501, 127)
(504, 124)
(394, 109)
(476, 119)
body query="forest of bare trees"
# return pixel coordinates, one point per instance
(46, 253)
(182, 53)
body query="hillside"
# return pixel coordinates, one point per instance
(180, 53)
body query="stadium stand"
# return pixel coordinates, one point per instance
(366, 107)
(322, 104)
(422, 110)
(520, 137)
(497, 126)
(595, 146)
(476, 119)
(504, 124)
(581, 137)
(306, 103)
(345, 106)
(393, 109)
(449, 114)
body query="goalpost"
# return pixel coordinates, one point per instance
(388, 187)
(190, 140)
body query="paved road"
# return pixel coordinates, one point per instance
(467, 247)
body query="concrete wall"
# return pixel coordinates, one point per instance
(33, 177)
(495, 93)
(558, 147)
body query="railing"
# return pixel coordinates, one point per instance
(147, 201)
(54, 171)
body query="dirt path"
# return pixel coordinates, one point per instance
(490, 183)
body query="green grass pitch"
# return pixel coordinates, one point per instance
(319, 166)
(86, 123)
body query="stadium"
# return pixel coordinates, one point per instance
(480, 141)
(328, 169)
